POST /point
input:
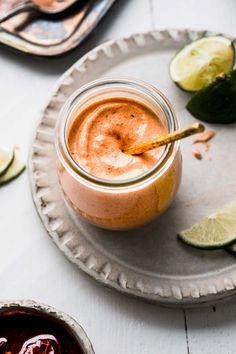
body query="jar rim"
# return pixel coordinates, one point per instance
(136, 85)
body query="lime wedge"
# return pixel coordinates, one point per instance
(13, 171)
(6, 159)
(198, 63)
(216, 103)
(215, 231)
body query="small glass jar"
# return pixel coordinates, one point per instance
(124, 204)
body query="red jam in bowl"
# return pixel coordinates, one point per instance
(26, 331)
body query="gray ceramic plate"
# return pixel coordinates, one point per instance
(149, 263)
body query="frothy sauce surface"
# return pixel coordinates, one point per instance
(101, 131)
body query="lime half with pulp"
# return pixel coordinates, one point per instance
(198, 63)
(216, 231)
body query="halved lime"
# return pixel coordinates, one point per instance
(198, 63)
(13, 171)
(6, 159)
(216, 231)
(216, 103)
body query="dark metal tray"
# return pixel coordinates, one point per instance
(46, 36)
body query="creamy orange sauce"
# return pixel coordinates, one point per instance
(100, 132)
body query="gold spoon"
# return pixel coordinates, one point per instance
(165, 139)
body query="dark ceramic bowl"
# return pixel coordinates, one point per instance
(61, 320)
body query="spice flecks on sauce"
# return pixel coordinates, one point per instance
(101, 131)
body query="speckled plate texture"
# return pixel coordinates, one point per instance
(76, 330)
(149, 263)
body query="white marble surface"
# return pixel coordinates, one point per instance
(32, 267)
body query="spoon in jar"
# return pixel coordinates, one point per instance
(165, 139)
(51, 7)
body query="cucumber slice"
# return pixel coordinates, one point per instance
(13, 171)
(198, 63)
(215, 231)
(216, 103)
(6, 159)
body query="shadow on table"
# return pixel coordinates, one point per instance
(212, 316)
(223, 313)
(58, 65)
(135, 309)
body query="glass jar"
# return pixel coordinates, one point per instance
(122, 204)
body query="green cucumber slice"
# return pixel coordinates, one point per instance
(13, 171)
(6, 159)
(198, 63)
(215, 231)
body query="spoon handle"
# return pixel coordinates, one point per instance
(166, 139)
(21, 6)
